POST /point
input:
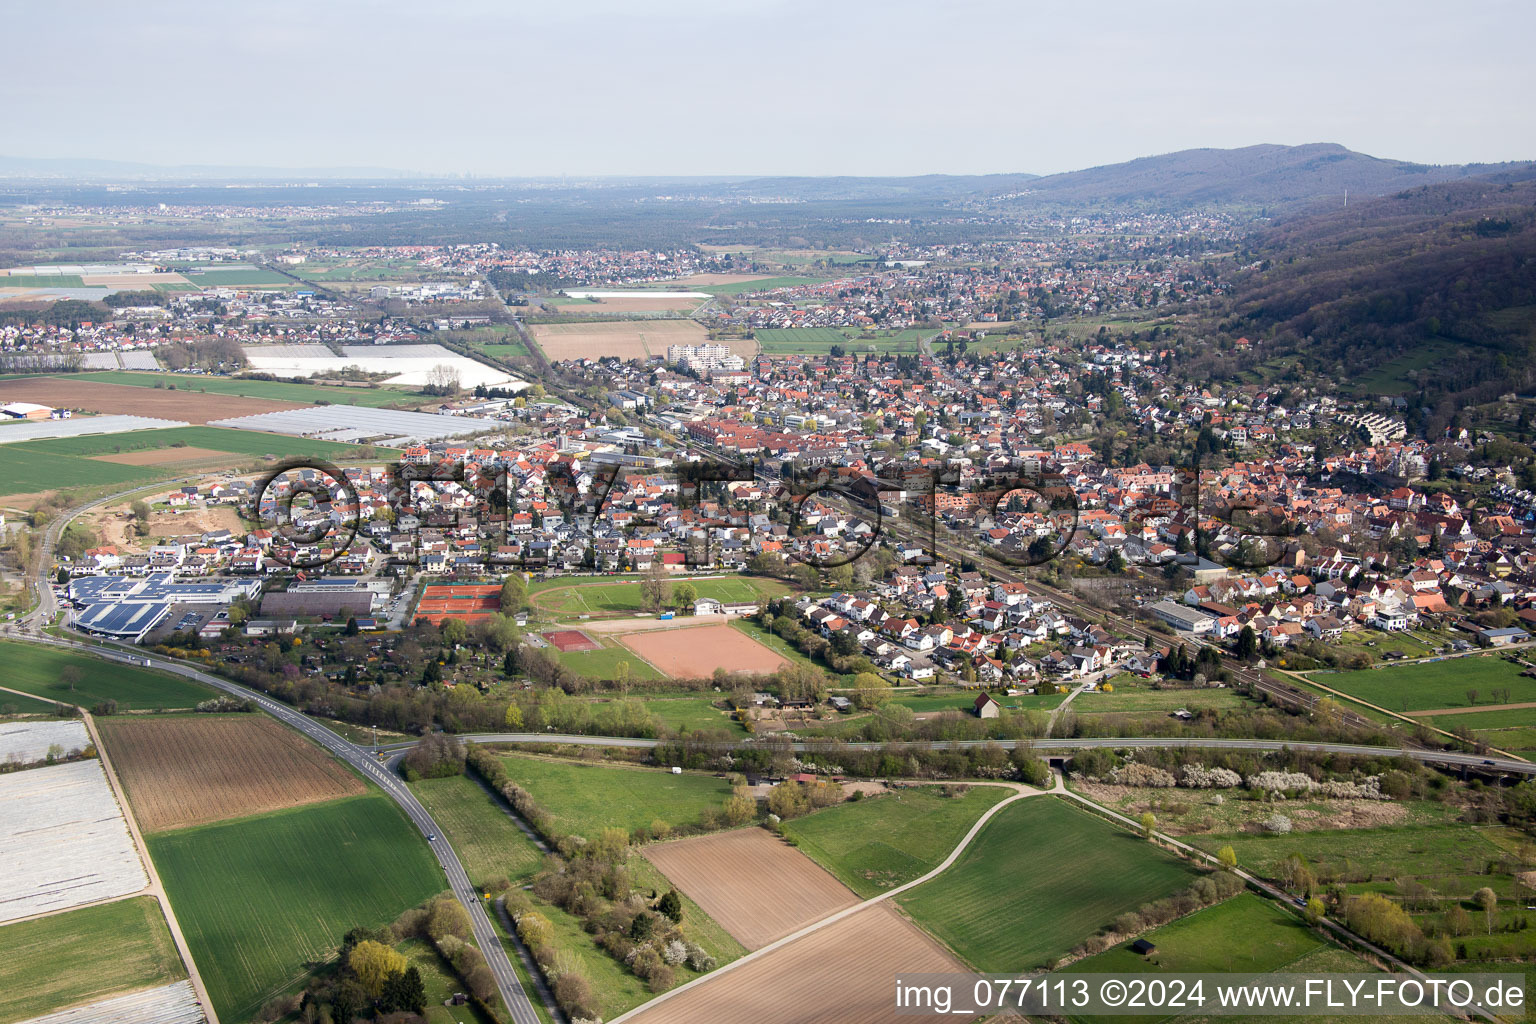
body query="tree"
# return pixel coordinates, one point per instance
(514, 594)
(514, 717)
(405, 991)
(1472, 696)
(71, 674)
(455, 632)
(1148, 823)
(671, 904)
(1227, 858)
(683, 596)
(1315, 909)
(654, 588)
(1487, 900)
(1247, 643)
(870, 690)
(352, 628)
(374, 963)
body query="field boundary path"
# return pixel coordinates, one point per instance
(1021, 792)
(155, 888)
(1435, 712)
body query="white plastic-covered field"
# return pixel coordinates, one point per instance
(407, 365)
(63, 841)
(167, 1004)
(30, 741)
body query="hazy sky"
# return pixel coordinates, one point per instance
(582, 87)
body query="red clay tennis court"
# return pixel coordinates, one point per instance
(571, 640)
(467, 601)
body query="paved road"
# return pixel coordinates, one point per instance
(1445, 757)
(518, 1004)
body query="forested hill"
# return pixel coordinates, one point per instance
(1264, 176)
(1441, 278)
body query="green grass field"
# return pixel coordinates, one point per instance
(253, 278)
(924, 702)
(881, 842)
(440, 983)
(1041, 877)
(604, 662)
(15, 704)
(1137, 698)
(508, 350)
(41, 281)
(261, 898)
(84, 955)
(488, 842)
(692, 712)
(276, 390)
(1435, 684)
(607, 597)
(1392, 377)
(586, 798)
(35, 669)
(765, 284)
(30, 466)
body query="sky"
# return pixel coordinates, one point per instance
(706, 87)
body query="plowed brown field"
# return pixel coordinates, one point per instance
(98, 397)
(757, 886)
(843, 974)
(190, 771)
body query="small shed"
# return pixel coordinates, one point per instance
(1141, 947)
(987, 707)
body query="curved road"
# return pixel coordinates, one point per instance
(518, 1004)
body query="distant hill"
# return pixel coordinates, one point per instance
(1427, 293)
(1255, 175)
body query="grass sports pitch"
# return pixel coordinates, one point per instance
(1041, 877)
(263, 897)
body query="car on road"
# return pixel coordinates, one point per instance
(431, 836)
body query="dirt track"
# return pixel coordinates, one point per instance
(758, 887)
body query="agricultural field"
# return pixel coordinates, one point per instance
(175, 1003)
(1512, 729)
(303, 878)
(697, 651)
(716, 872)
(31, 740)
(626, 339)
(754, 284)
(586, 798)
(216, 275)
(84, 955)
(564, 600)
(840, 974)
(1143, 698)
(65, 839)
(105, 392)
(288, 393)
(881, 842)
(35, 669)
(1042, 876)
(487, 840)
(1450, 861)
(190, 770)
(1435, 684)
(146, 455)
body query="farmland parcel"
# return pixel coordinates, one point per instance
(627, 339)
(586, 798)
(64, 959)
(65, 840)
(715, 872)
(303, 878)
(190, 771)
(169, 1004)
(1083, 871)
(36, 670)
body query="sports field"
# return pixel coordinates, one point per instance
(261, 898)
(101, 459)
(80, 956)
(881, 842)
(35, 669)
(697, 651)
(487, 840)
(1041, 877)
(586, 798)
(620, 598)
(606, 658)
(1434, 684)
